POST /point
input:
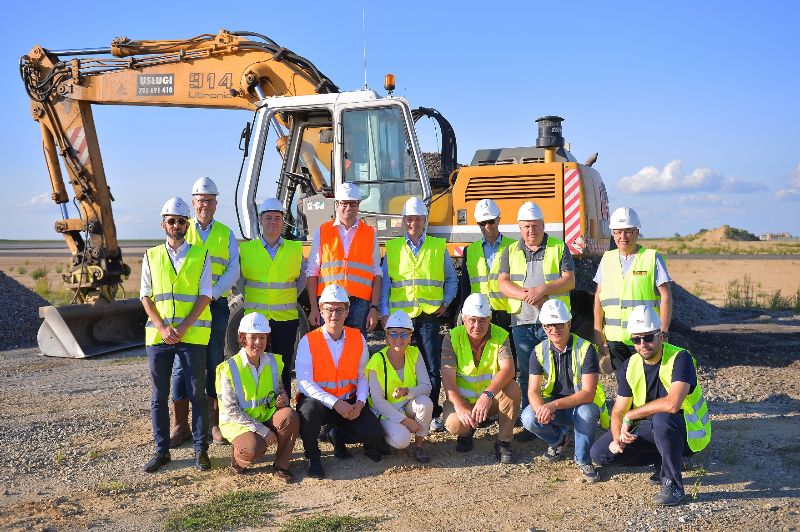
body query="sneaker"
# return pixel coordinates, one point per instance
(464, 443)
(437, 425)
(157, 460)
(669, 494)
(421, 456)
(555, 452)
(524, 436)
(502, 451)
(655, 478)
(315, 468)
(589, 472)
(202, 461)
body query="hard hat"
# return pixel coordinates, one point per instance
(643, 319)
(347, 192)
(476, 305)
(415, 207)
(270, 204)
(486, 209)
(554, 311)
(205, 185)
(624, 218)
(254, 322)
(175, 206)
(529, 212)
(334, 293)
(401, 320)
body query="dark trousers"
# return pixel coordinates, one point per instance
(620, 352)
(364, 429)
(215, 353)
(160, 358)
(501, 318)
(282, 340)
(662, 438)
(526, 337)
(429, 342)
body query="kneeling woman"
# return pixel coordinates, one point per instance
(399, 387)
(254, 408)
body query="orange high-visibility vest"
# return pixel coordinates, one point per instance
(338, 380)
(355, 271)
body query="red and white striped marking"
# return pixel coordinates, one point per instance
(572, 212)
(77, 138)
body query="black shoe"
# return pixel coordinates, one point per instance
(158, 460)
(655, 478)
(524, 436)
(384, 448)
(202, 461)
(488, 422)
(670, 494)
(372, 452)
(339, 447)
(315, 468)
(464, 443)
(323, 433)
(502, 451)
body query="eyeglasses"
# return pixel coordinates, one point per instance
(488, 222)
(644, 338)
(348, 204)
(394, 335)
(334, 310)
(206, 201)
(176, 221)
(626, 232)
(551, 326)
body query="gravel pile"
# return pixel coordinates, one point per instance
(19, 320)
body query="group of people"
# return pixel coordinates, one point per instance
(514, 359)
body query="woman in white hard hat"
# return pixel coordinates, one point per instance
(399, 387)
(254, 408)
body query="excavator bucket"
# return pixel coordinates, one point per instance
(83, 331)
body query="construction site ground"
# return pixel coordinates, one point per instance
(75, 434)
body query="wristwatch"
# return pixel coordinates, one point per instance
(489, 394)
(375, 307)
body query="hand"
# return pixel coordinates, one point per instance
(481, 409)
(411, 424)
(465, 417)
(532, 295)
(355, 409)
(440, 310)
(181, 329)
(625, 436)
(616, 447)
(399, 392)
(342, 408)
(270, 438)
(282, 400)
(545, 413)
(372, 319)
(313, 317)
(169, 334)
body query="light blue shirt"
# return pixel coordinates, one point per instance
(450, 278)
(301, 280)
(490, 250)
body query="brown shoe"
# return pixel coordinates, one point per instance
(282, 474)
(180, 423)
(213, 422)
(236, 469)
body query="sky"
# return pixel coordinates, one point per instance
(692, 106)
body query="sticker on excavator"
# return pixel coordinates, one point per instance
(155, 85)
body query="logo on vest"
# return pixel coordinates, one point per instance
(639, 272)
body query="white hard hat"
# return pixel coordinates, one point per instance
(204, 185)
(624, 218)
(554, 311)
(529, 212)
(486, 209)
(270, 204)
(643, 319)
(347, 192)
(334, 293)
(401, 320)
(254, 322)
(476, 305)
(177, 207)
(415, 207)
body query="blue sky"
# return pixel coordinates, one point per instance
(692, 106)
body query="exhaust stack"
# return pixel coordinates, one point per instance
(550, 136)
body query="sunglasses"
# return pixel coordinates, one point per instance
(551, 326)
(176, 221)
(487, 222)
(394, 335)
(644, 338)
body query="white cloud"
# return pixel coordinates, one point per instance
(708, 199)
(673, 179)
(37, 202)
(792, 192)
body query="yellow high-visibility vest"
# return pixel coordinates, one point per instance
(472, 380)
(270, 286)
(218, 246)
(417, 283)
(387, 376)
(551, 268)
(483, 278)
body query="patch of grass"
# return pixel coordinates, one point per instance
(22, 270)
(111, 486)
(694, 492)
(330, 523)
(790, 454)
(59, 456)
(742, 294)
(38, 273)
(224, 512)
(59, 268)
(55, 297)
(729, 453)
(95, 453)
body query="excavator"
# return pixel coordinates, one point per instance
(323, 136)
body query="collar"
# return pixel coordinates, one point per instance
(567, 348)
(524, 247)
(277, 245)
(421, 240)
(338, 222)
(329, 338)
(262, 361)
(181, 248)
(496, 242)
(200, 227)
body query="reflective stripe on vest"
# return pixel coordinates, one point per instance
(217, 244)
(385, 372)
(694, 406)
(620, 293)
(551, 268)
(175, 294)
(579, 349)
(253, 397)
(355, 271)
(417, 283)
(472, 380)
(270, 285)
(338, 380)
(484, 280)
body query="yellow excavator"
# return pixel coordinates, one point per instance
(325, 137)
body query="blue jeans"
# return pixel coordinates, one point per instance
(429, 342)
(160, 358)
(215, 353)
(583, 418)
(525, 337)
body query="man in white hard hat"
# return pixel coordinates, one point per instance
(660, 414)
(533, 269)
(564, 391)
(223, 251)
(274, 273)
(628, 276)
(345, 251)
(420, 279)
(478, 377)
(333, 387)
(480, 270)
(176, 288)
